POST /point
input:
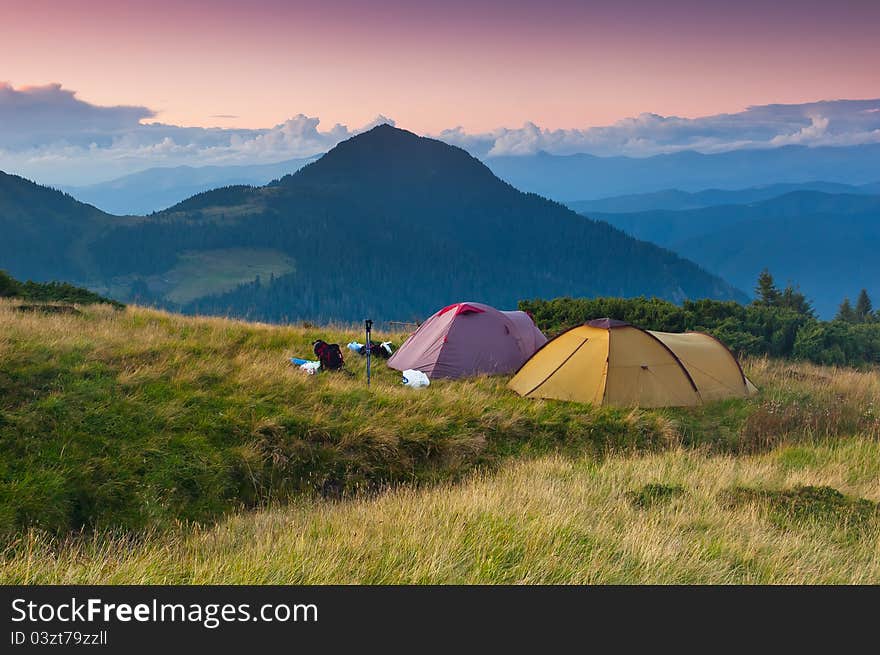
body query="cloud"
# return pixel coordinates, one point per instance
(811, 133)
(840, 122)
(36, 115)
(50, 135)
(376, 122)
(296, 136)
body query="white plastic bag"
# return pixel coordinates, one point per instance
(415, 379)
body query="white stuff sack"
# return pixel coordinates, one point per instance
(415, 379)
(310, 367)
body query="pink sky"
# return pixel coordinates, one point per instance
(435, 65)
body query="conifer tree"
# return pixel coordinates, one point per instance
(846, 312)
(766, 292)
(863, 310)
(8, 285)
(792, 298)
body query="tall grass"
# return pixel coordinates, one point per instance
(551, 519)
(139, 419)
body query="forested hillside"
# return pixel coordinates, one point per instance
(44, 231)
(828, 243)
(50, 292)
(392, 225)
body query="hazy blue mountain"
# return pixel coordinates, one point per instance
(675, 199)
(576, 179)
(392, 225)
(826, 243)
(587, 177)
(155, 189)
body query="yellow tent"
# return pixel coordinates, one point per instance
(614, 363)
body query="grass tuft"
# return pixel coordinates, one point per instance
(653, 493)
(807, 505)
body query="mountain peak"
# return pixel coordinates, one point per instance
(387, 156)
(386, 128)
(388, 134)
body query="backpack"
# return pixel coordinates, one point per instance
(329, 354)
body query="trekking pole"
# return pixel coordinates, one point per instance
(368, 324)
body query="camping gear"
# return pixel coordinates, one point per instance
(415, 379)
(329, 354)
(469, 338)
(368, 327)
(311, 367)
(383, 350)
(610, 362)
(306, 365)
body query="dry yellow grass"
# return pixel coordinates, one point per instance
(549, 520)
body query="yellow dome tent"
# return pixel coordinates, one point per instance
(609, 362)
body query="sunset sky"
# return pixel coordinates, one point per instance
(90, 90)
(435, 65)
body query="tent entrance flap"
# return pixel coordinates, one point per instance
(571, 367)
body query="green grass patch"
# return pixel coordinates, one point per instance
(211, 272)
(797, 458)
(807, 505)
(653, 494)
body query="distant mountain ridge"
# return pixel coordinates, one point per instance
(155, 189)
(677, 200)
(569, 178)
(826, 243)
(388, 225)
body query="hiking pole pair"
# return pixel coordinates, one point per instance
(368, 325)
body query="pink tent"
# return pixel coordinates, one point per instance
(469, 338)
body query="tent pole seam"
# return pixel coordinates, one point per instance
(553, 372)
(675, 357)
(732, 356)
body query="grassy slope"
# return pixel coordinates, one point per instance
(139, 419)
(545, 520)
(211, 272)
(50, 292)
